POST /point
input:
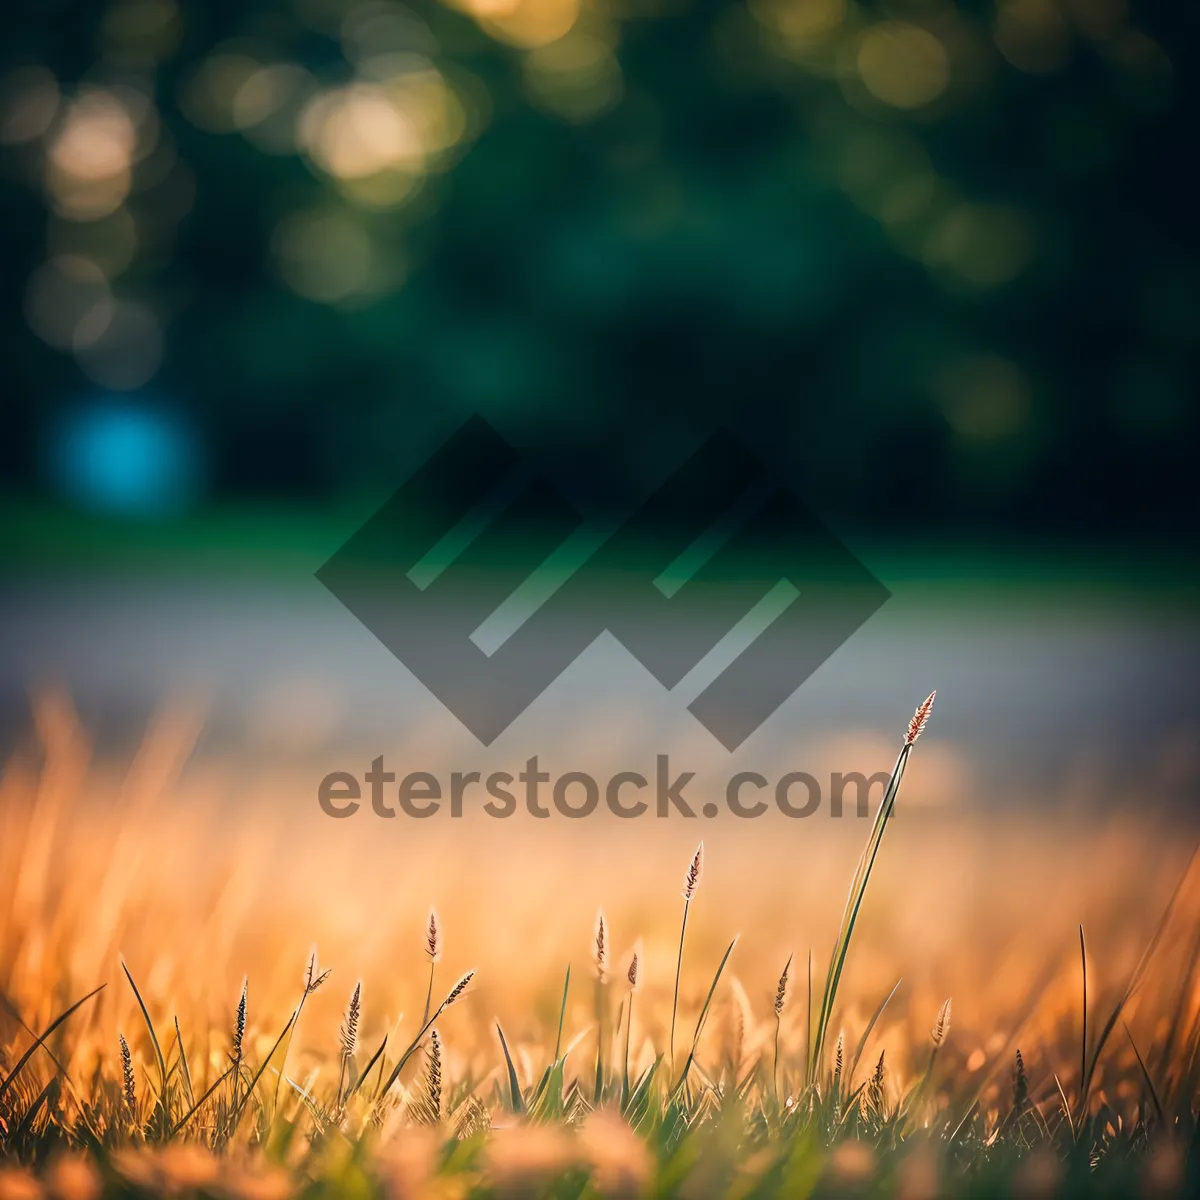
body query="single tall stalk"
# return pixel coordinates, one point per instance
(433, 951)
(858, 887)
(633, 983)
(600, 960)
(780, 1000)
(690, 883)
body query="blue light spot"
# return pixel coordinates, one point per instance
(126, 460)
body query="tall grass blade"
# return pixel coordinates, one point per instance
(854, 899)
(562, 1015)
(866, 1034)
(1135, 979)
(451, 996)
(515, 1099)
(191, 1112)
(159, 1060)
(29, 1053)
(1158, 1108)
(183, 1065)
(700, 1022)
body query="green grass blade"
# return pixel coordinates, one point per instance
(549, 1104)
(1083, 1052)
(515, 1099)
(240, 1106)
(862, 1041)
(637, 1108)
(854, 899)
(700, 1022)
(1134, 980)
(412, 1046)
(368, 1068)
(562, 1015)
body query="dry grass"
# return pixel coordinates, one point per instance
(225, 1036)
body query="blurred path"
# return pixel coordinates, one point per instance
(1028, 689)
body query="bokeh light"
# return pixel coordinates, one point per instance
(89, 167)
(789, 177)
(902, 64)
(576, 77)
(125, 459)
(29, 101)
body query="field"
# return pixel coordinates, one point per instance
(992, 1007)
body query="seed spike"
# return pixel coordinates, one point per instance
(433, 937)
(457, 990)
(875, 1091)
(781, 989)
(239, 1026)
(600, 952)
(1020, 1085)
(920, 717)
(349, 1032)
(130, 1088)
(941, 1027)
(434, 1090)
(692, 880)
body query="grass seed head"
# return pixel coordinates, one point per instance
(941, 1027)
(920, 717)
(875, 1094)
(349, 1032)
(692, 880)
(634, 964)
(600, 951)
(457, 990)
(312, 977)
(434, 1081)
(239, 1026)
(433, 937)
(781, 989)
(129, 1086)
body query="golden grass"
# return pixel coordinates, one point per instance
(199, 883)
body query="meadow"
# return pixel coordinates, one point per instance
(914, 1007)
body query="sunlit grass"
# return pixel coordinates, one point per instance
(161, 1071)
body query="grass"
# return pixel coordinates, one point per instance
(765, 1106)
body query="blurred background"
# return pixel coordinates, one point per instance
(940, 259)
(938, 262)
